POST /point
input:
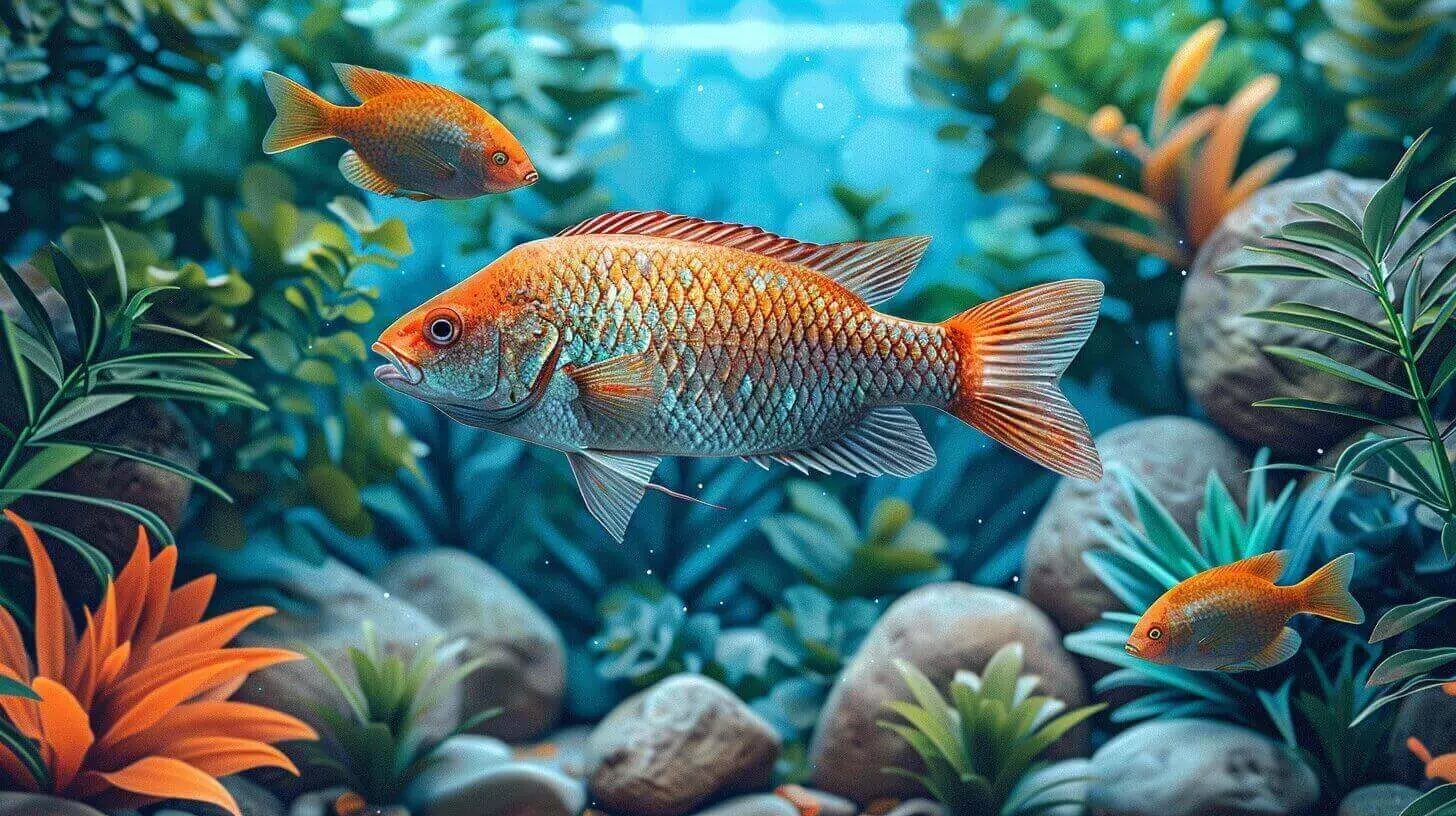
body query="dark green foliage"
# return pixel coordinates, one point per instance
(868, 213)
(979, 747)
(372, 746)
(645, 639)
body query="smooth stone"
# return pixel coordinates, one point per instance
(564, 750)
(524, 671)
(510, 789)
(940, 629)
(1187, 767)
(459, 757)
(35, 804)
(1071, 788)
(919, 807)
(1384, 799)
(676, 745)
(1171, 456)
(754, 804)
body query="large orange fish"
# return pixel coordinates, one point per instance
(409, 138)
(1234, 618)
(638, 335)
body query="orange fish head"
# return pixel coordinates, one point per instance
(1152, 637)
(441, 352)
(506, 164)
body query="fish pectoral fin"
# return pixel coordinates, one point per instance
(361, 175)
(1283, 647)
(419, 153)
(622, 388)
(887, 440)
(612, 484)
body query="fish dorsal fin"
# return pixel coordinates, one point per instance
(873, 270)
(1269, 565)
(367, 83)
(887, 441)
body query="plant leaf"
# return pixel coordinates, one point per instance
(1301, 404)
(1328, 365)
(1410, 663)
(1439, 801)
(39, 318)
(1419, 208)
(14, 374)
(1329, 321)
(1324, 235)
(1382, 214)
(1405, 616)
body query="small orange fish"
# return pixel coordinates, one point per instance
(1234, 618)
(409, 138)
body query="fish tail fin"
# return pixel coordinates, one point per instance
(1327, 591)
(1012, 352)
(303, 116)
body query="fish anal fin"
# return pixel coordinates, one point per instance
(367, 83)
(887, 440)
(1283, 647)
(873, 270)
(612, 484)
(621, 388)
(361, 175)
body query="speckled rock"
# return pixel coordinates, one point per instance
(683, 742)
(754, 804)
(525, 660)
(1223, 362)
(1172, 457)
(1198, 768)
(507, 789)
(35, 804)
(939, 628)
(1378, 800)
(1429, 716)
(341, 600)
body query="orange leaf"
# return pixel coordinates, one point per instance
(131, 689)
(1160, 169)
(1419, 749)
(1133, 240)
(131, 586)
(221, 756)
(154, 610)
(188, 603)
(1215, 166)
(1183, 70)
(12, 647)
(1106, 123)
(1257, 175)
(241, 720)
(210, 634)
(55, 634)
(114, 664)
(166, 778)
(154, 706)
(1089, 185)
(66, 728)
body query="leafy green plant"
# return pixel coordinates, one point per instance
(978, 748)
(51, 380)
(868, 213)
(821, 540)
(373, 746)
(1415, 308)
(1414, 669)
(644, 640)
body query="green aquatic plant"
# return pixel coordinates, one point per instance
(55, 376)
(373, 745)
(870, 217)
(979, 747)
(1415, 307)
(820, 539)
(1411, 670)
(645, 639)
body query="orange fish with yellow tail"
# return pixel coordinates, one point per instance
(1234, 618)
(409, 138)
(638, 335)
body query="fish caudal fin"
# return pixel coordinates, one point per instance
(1012, 352)
(303, 116)
(1327, 592)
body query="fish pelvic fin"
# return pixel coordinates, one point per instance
(1280, 649)
(1327, 592)
(1011, 354)
(303, 116)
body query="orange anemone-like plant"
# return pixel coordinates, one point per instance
(1187, 170)
(132, 708)
(1441, 767)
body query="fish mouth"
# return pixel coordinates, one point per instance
(400, 369)
(531, 177)
(1133, 649)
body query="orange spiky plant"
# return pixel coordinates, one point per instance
(1441, 767)
(132, 708)
(1187, 165)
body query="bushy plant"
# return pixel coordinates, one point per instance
(645, 639)
(979, 747)
(373, 746)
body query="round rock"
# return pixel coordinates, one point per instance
(940, 629)
(509, 789)
(1378, 800)
(1187, 767)
(35, 804)
(1223, 361)
(677, 745)
(1171, 457)
(754, 804)
(524, 671)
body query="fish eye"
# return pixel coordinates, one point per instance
(1155, 633)
(442, 327)
(500, 158)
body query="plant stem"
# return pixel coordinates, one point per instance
(24, 435)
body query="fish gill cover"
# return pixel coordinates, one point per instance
(204, 481)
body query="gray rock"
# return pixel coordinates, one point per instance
(1172, 457)
(754, 804)
(1198, 768)
(563, 750)
(35, 804)
(1378, 800)
(1430, 717)
(681, 743)
(508, 789)
(1224, 365)
(458, 757)
(939, 628)
(524, 673)
(1062, 783)
(919, 807)
(341, 601)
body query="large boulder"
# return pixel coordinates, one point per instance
(676, 746)
(1223, 361)
(1198, 768)
(940, 629)
(1172, 457)
(506, 789)
(524, 670)
(340, 601)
